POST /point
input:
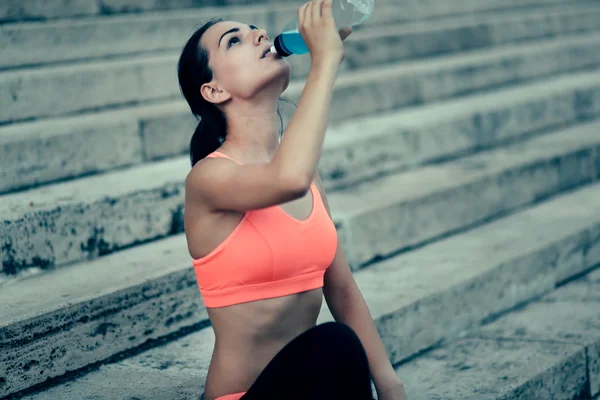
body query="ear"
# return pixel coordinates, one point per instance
(214, 94)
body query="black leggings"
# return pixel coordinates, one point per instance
(326, 362)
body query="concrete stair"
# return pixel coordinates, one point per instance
(53, 9)
(549, 349)
(418, 299)
(27, 44)
(61, 148)
(89, 217)
(460, 164)
(29, 93)
(119, 296)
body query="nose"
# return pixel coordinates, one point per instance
(260, 36)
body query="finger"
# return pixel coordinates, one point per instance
(302, 14)
(316, 10)
(308, 13)
(326, 12)
(344, 33)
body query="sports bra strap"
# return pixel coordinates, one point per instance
(224, 155)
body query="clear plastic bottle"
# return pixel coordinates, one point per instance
(346, 13)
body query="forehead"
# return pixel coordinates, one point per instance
(210, 39)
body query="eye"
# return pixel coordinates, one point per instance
(231, 41)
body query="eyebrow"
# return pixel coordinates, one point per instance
(232, 30)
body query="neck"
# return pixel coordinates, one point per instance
(252, 130)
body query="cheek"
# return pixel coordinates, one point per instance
(240, 74)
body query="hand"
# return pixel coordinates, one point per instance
(318, 29)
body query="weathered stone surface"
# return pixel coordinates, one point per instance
(464, 279)
(37, 92)
(45, 151)
(167, 134)
(175, 371)
(24, 44)
(95, 310)
(472, 32)
(100, 37)
(396, 140)
(571, 314)
(41, 9)
(44, 9)
(39, 152)
(113, 382)
(147, 292)
(528, 29)
(94, 216)
(416, 299)
(66, 89)
(384, 216)
(432, 11)
(358, 149)
(125, 6)
(98, 215)
(473, 369)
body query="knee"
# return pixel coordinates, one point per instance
(338, 336)
(341, 350)
(336, 330)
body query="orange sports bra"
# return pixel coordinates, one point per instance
(268, 254)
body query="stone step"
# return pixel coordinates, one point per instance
(38, 92)
(473, 369)
(569, 315)
(33, 93)
(51, 9)
(384, 216)
(417, 299)
(550, 349)
(28, 43)
(49, 150)
(12, 11)
(85, 218)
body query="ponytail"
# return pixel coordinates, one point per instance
(193, 71)
(208, 136)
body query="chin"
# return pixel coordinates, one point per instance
(286, 83)
(285, 76)
(277, 81)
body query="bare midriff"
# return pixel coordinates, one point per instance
(249, 335)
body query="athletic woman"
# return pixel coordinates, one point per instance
(264, 247)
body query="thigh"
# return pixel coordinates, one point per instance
(326, 360)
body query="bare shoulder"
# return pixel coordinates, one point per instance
(224, 185)
(206, 171)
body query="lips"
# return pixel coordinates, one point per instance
(267, 51)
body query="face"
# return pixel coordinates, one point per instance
(240, 69)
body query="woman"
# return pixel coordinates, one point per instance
(258, 227)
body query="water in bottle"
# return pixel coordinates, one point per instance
(346, 13)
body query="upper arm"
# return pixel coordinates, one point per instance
(223, 184)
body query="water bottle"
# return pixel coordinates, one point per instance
(346, 13)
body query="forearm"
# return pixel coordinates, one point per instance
(301, 146)
(349, 307)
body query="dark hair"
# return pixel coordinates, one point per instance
(193, 71)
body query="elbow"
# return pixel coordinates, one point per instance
(294, 182)
(296, 185)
